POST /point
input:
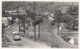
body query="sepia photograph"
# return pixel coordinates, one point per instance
(32, 24)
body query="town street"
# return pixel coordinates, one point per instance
(24, 42)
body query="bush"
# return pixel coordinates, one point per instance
(5, 41)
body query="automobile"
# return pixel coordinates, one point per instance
(16, 36)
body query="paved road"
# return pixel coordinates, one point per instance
(48, 35)
(24, 41)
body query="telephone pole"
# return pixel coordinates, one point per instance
(18, 17)
(34, 4)
(39, 31)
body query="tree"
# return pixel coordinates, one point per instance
(73, 10)
(58, 17)
(63, 18)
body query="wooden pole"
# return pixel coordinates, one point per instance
(18, 18)
(22, 22)
(34, 4)
(39, 31)
(35, 33)
(58, 29)
(27, 28)
(24, 25)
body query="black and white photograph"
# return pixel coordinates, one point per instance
(35, 24)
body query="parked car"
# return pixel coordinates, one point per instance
(16, 36)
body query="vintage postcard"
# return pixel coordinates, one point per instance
(40, 24)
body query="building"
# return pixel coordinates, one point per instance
(6, 18)
(5, 21)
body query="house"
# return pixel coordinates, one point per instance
(5, 21)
